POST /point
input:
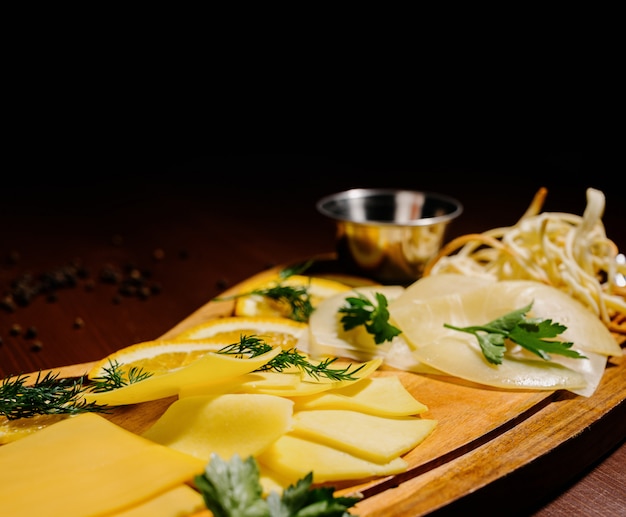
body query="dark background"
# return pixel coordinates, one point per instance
(494, 186)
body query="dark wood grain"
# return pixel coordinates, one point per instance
(201, 225)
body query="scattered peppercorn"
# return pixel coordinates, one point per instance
(36, 346)
(23, 289)
(31, 332)
(7, 304)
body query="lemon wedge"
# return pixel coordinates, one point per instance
(318, 289)
(156, 357)
(274, 330)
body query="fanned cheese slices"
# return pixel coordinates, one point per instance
(293, 458)
(426, 346)
(383, 396)
(421, 314)
(381, 438)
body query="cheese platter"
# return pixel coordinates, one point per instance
(488, 444)
(505, 429)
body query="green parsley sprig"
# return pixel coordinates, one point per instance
(252, 346)
(359, 310)
(233, 489)
(533, 334)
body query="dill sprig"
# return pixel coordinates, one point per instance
(295, 269)
(49, 395)
(252, 346)
(297, 298)
(115, 377)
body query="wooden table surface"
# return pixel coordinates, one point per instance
(181, 229)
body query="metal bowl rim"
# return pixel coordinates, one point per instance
(360, 193)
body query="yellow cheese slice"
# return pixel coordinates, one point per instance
(384, 396)
(86, 465)
(371, 437)
(294, 457)
(255, 382)
(242, 423)
(211, 367)
(311, 385)
(179, 501)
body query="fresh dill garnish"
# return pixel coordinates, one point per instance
(296, 269)
(535, 335)
(252, 346)
(359, 310)
(48, 395)
(115, 377)
(296, 297)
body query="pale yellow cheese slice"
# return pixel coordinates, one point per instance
(384, 396)
(458, 354)
(255, 382)
(180, 501)
(371, 437)
(243, 424)
(311, 385)
(86, 465)
(329, 338)
(294, 457)
(211, 367)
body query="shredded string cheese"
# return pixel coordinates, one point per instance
(564, 250)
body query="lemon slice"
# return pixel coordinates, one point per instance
(275, 331)
(259, 305)
(12, 430)
(156, 357)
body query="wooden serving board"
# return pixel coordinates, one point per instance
(491, 448)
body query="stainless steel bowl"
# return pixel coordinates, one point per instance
(389, 234)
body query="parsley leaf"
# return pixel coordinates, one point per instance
(361, 311)
(533, 334)
(233, 489)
